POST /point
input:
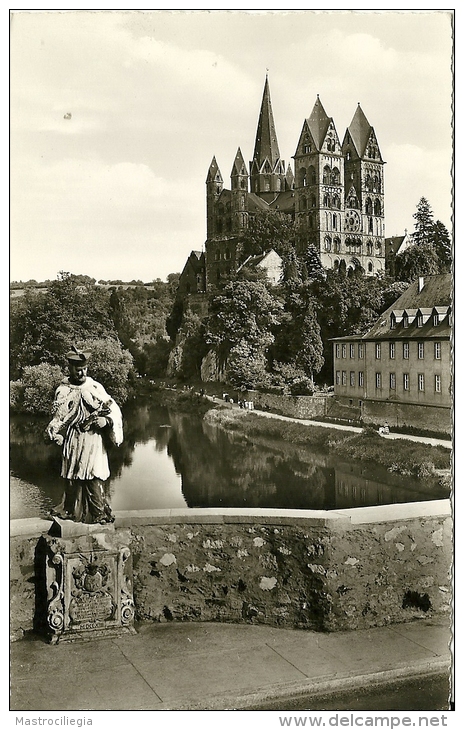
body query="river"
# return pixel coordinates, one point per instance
(169, 459)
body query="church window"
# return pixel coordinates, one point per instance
(377, 207)
(337, 245)
(335, 176)
(328, 243)
(348, 155)
(306, 148)
(326, 201)
(371, 226)
(303, 180)
(368, 207)
(336, 201)
(278, 184)
(313, 201)
(303, 203)
(243, 184)
(370, 248)
(312, 175)
(326, 175)
(336, 264)
(267, 184)
(227, 254)
(229, 224)
(334, 222)
(219, 225)
(217, 255)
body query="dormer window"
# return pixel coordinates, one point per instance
(306, 149)
(420, 320)
(436, 320)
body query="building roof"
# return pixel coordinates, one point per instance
(433, 297)
(284, 202)
(393, 244)
(434, 294)
(256, 203)
(318, 123)
(360, 131)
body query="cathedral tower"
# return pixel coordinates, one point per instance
(267, 170)
(364, 194)
(319, 179)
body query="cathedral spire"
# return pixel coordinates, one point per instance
(266, 145)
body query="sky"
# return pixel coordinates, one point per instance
(115, 117)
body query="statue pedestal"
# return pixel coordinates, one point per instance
(88, 572)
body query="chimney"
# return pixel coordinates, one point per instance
(421, 283)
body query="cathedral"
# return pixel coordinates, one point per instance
(335, 194)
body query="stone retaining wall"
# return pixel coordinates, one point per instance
(435, 419)
(293, 406)
(327, 571)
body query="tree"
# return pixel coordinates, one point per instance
(417, 260)
(266, 230)
(44, 324)
(423, 229)
(442, 243)
(35, 391)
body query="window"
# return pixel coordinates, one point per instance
(378, 380)
(405, 350)
(421, 382)
(351, 350)
(437, 383)
(337, 350)
(420, 350)
(361, 378)
(378, 350)
(361, 351)
(420, 320)
(352, 381)
(406, 381)
(343, 377)
(337, 377)
(392, 381)
(437, 350)
(436, 320)
(343, 350)
(392, 350)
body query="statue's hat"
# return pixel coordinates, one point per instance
(77, 357)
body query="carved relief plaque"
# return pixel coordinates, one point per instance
(89, 591)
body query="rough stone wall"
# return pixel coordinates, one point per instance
(316, 573)
(294, 406)
(232, 573)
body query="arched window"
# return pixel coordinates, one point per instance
(335, 176)
(312, 175)
(371, 225)
(278, 184)
(327, 243)
(337, 245)
(336, 264)
(326, 175)
(219, 225)
(217, 255)
(368, 207)
(303, 180)
(336, 201)
(370, 267)
(377, 207)
(313, 201)
(334, 222)
(304, 203)
(370, 248)
(325, 201)
(243, 184)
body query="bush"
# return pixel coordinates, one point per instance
(35, 392)
(112, 366)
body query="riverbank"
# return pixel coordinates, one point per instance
(402, 455)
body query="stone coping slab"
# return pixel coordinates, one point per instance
(334, 519)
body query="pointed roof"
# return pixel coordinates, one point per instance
(266, 139)
(360, 130)
(239, 167)
(318, 123)
(213, 172)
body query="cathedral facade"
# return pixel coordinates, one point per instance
(335, 195)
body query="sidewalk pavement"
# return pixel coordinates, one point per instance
(212, 666)
(448, 444)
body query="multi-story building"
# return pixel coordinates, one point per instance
(335, 196)
(400, 371)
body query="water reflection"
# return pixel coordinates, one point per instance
(171, 460)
